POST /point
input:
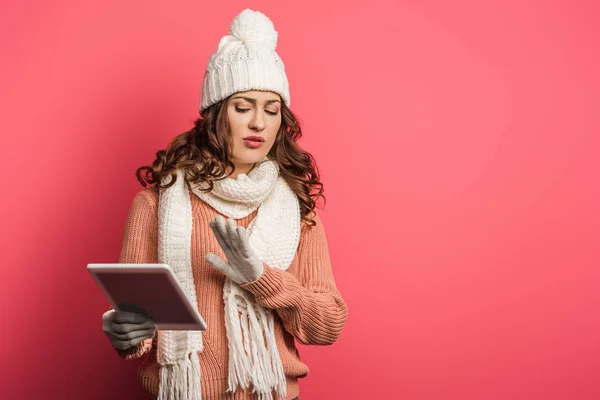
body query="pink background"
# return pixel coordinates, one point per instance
(458, 144)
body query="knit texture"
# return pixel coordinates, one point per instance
(273, 235)
(245, 60)
(306, 303)
(180, 372)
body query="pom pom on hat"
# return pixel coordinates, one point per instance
(245, 59)
(250, 25)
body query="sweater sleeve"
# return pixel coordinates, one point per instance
(140, 245)
(306, 299)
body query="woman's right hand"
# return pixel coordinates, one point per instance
(126, 329)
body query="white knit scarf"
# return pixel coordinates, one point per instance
(274, 236)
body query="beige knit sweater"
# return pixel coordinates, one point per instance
(308, 307)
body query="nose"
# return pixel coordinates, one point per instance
(257, 123)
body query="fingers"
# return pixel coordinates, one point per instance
(219, 236)
(126, 344)
(218, 263)
(125, 317)
(244, 243)
(233, 235)
(221, 224)
(227, 229)
(222, 266)
(108, 316)
(124, 328)
(133, 335)
(126, 335)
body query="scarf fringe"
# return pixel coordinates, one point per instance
(181, 381)
(255, 359)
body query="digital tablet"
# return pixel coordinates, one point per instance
(153, 288)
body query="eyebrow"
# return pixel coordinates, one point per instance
(253, 101)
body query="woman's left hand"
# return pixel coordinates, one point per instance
(242, 265)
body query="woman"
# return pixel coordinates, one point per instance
(232, 213)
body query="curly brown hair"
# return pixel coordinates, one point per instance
(203, 153)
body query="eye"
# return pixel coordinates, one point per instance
(242, 110)
(272, 112)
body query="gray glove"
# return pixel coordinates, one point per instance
(242, 265)
(126, 329)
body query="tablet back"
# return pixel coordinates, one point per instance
(152, 288)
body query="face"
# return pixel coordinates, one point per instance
(254, 119)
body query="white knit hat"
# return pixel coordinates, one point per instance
(245, 60)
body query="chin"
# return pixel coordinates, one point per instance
(249, 158)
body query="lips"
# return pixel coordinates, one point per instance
(253, 142)
(254, 138)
